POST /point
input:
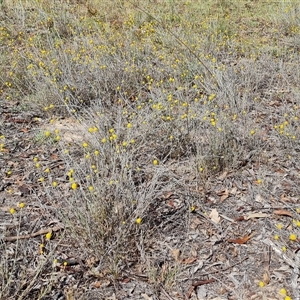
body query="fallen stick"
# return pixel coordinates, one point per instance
(28, 236)
(198, 283)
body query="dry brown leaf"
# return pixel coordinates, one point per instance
(266, 277)
(259, 198)
(190, 291)
(241, 218)
(91, 261)
(167, 195)
(214, 216)
(223, 175)
(54, 156)
(174, 203)
(176, 254)
(5, 208)
(97, 284)
(284, 198)
(102, 283)
(171, 203)
(256, 215)
(224, 196)
(189, 260)
(283, 212)
(233, 191)
(146, 297)
(240, 241)
(275, 103)
(195, 223)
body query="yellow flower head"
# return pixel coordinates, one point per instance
(293, 237)
(138, 220)
(283, 292)
(155, 162)
(42, 246)
(48, 236)
(211, 97)
(12, 210)
(74, 186)
(279, 226)
(21, 205)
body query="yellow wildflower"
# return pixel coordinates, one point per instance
(155, 162)
(74, 186)
(48, 236)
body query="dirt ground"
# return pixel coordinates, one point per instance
(227, 252)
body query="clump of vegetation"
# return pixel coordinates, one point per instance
(163, 99)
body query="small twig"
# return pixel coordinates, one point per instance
(267, 258)
(231, 266)
(226, 218)
(166, 294)
(294, 279)
(287, 259)
(198, 283)
(28, 236)
(202, 282)
(207, 281)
